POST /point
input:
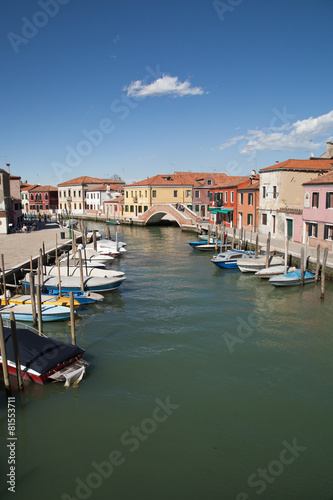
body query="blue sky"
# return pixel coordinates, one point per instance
(137, 88)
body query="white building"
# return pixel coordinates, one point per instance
(96, 197)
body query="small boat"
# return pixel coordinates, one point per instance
(73, 283)
(54, 300)
(80, 297)
(44, 359)
(229, 259)
(24, 312)
(195, 244)
(253, 265)
(113, 222)
(89, 258)
(292, 279)
(75, 271)
(206, 247)
(269, 272)
(71, 223)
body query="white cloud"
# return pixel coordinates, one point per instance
(167, 85)
(298, 135)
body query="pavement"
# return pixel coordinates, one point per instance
(17, 248)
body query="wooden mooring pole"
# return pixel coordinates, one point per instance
(302, 266)
(16, 350)
(4, 356)
(71, 304)
(322, 295)
(268, 249)
(4, 278)
(233, 237)
(257, 246)
(33, 301)
(318, 264)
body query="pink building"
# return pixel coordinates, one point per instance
(318, 210)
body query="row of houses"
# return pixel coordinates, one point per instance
(291, 198)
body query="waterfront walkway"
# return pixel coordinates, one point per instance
(17, 248)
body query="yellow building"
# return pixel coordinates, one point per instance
(171, 188)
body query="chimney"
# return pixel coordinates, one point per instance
(329, 149)
(8, 169)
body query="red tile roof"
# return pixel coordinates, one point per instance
(39, 189)
(310, 164)
(195, 179)
(84, 179)
(234, 182)
(27, 187)
(322, 179)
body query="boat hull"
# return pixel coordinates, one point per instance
(292, 279)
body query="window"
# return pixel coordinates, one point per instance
(197, 194)
(145, 208)
(226, 197)
(264, 219)
(175, 193)
(131, 194)
(328, 232)
(264, 191)
(146, 194)
(209, 182)
(197, 208)
(315, 200)
(249, 219)
(140, 209)
(329, 200)
(126, 208)
(31, 196)
(60, 206)
(241, 198)
(126, 194)
(32, 207)
(79, 206)
(74, 206)
(79, 194)
(69, 193)
(46, 207)
(313, 230)
(74, 194)
(46, 196)
(188, 193)
(154, 193)
(274, 191)
(131, 208)
(232, 197)
(250, 199)
(139, 194)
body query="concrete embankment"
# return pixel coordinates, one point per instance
(17, 248)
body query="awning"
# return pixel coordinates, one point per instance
(220, 210)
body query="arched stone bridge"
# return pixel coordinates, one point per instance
(184, 217)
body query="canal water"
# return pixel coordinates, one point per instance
(203, 384)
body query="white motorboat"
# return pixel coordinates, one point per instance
(89, 272)
(292, 279)
(90, 257)
(229, 259)
(269, 272)
(253, 265)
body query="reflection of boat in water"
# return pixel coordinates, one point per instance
(44, 359)
(73, 283)
(292, 279)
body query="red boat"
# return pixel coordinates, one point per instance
(44, 359)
